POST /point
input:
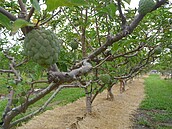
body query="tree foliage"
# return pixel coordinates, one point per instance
(111, 38)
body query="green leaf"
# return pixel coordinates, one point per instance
(109, 9)
(53, 4)
(115, 47)
(112, 9)
(5, 21)
(12, 83)
(19, 23)
(35, 4)
(24, 1)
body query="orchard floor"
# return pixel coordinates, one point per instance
(106, 114)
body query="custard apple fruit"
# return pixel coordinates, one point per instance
(42, 46)
(157, 50)
(14, 101)
(145, 6)
(170, 46)
(105, 78)
(74, 45)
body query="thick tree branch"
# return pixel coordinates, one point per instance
(9, 104)
(70, 76)
(159, 4)
(6, 13)
(42, 108)
(124, 33)
(58, 78)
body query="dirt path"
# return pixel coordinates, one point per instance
(106, 114)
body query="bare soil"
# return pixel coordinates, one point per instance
(116, 114)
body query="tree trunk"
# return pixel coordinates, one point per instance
(88, 101)
(88, 104)
(122, 85)
(110, 95)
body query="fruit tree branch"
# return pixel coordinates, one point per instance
(23, 11)
(123, 18)
(5, 71)
(135, 70)
(58, 78)
(70, 22)
(6, 13)
(128, 30)
(30, 14)
(46, 103)
(53, 15)
(12, 67)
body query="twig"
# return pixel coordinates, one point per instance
(112, 39)
(22, 62)
(97, 30)
(101, 62)
(12, 66)
(64, 77)
(30, 14)
(97, 92)
(120, 64)
(40, 81)
(23, 12)
(128, 56)
(83, 35)
(137, 68)
(42, 108)
(53, 15)
(18, 77)
(123, 18)
(5, 71)
(70, 22)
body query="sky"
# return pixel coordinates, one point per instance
(134, 3)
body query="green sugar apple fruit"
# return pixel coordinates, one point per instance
(170, 46)
(14, 101)
(145, 6)
(157, 50)
(74, 45)
(105, 78)
(42, 46)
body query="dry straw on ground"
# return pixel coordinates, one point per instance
(106, 114)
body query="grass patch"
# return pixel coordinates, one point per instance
(64, 97)
(144, 122)
(156, 108)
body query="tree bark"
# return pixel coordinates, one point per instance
(110, 95)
